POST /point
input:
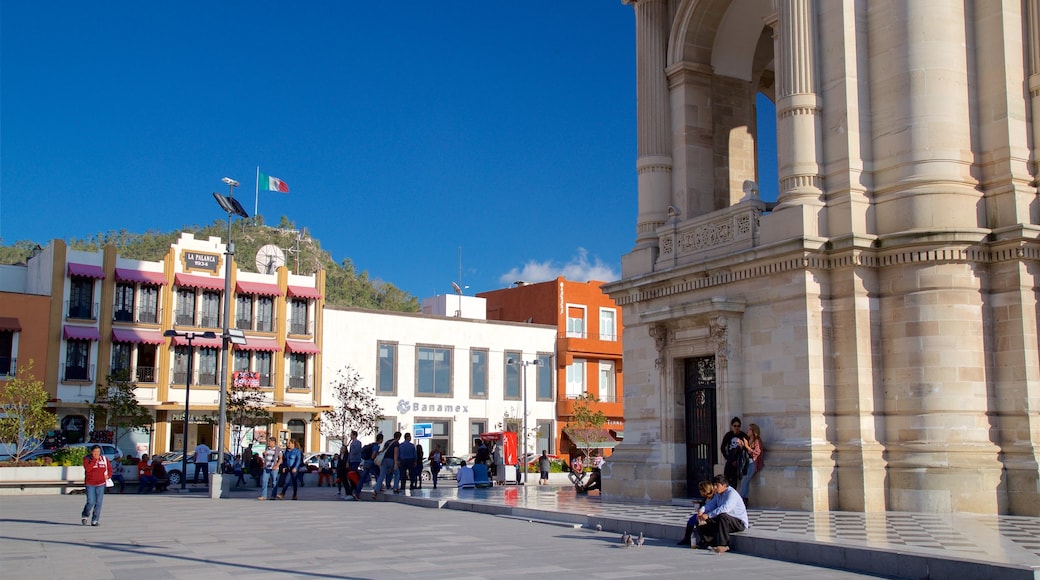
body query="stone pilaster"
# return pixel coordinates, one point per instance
(1033, 50)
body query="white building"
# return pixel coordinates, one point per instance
(445, 370)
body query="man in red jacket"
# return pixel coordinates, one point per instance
(96, 470)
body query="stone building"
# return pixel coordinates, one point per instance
(879, 321)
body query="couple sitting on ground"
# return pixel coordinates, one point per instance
(722, 514)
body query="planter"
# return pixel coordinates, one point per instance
(35, 479)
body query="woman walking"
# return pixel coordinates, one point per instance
(97, 470)
(292, 461)
(753, 446)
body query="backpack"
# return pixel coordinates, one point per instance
(367, 452)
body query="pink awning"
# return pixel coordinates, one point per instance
(304, 292)
(302, 347)
(137, 335)
(140, 276)
(81, 333)
(268, 344)
(258, 288)
(204, 282)
(199, 342)
(10, 324)
(86, 270)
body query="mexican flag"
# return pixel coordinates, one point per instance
(266, 182)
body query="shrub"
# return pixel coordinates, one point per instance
(70, 456)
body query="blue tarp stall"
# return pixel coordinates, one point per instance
(465, 477)
(480, 475)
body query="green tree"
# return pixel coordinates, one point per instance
(246, 408)
(117, 402)
(586, 428)
(26, 419)
(356, 407)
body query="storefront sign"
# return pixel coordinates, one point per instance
(245, 379)
(201, 262)
(404, 406)
(193, 418)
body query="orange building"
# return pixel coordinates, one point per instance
(20, 314)
(588, 346)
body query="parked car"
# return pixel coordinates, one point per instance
(449, 468)
(173, 468)
(310, 460)
(110, 451)
(38, 454)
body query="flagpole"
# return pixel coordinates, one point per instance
(256, 200)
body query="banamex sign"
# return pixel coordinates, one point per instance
(201, 262)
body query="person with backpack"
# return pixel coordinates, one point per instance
(370, 469)
(388, 463)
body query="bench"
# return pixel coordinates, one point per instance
(21, 485)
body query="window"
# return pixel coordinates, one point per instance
(545, 378)
(476, 427)
(124, 306)
(149, 305)
(210, 309)
(608, 324)
(265, 314)
(207, 366)
(387, 379)
(244, 312)
(478, 373)
(512, 374)
(180, 365)
(77, 360)
(433, 368)
(120, 357)
(7, 358)
(298, 317)
(75, 428)
(575, 322)
(298, 432)
(387, 426)
(81, 298)
(298, 371)
(607, 388)
(576, 379)
(262, 359)
(241, 363)
(545, 437)
(186, 306)
(146, 363)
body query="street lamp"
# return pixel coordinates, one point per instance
(188, 337)
(230, 205)
(523, 396)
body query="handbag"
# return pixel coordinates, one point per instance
(109, 482)
(380, 456)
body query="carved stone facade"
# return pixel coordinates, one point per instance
(880, 321)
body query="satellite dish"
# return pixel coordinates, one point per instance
(269, 258)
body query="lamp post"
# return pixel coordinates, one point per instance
(523, 396)
(188, 337)
(230, 205)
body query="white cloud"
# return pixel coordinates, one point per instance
(578, 269)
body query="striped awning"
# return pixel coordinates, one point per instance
(10, 324)
(302, 347)
(258, 288)
(86, 270)
(304, 292)
(252, 343)
(199, 342)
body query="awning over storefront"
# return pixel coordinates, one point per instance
(198, 342)
(204, 282)
(140, 276)
(253, 343)
(81, 333)
(10, 324)
(302, 347)
(258, 288)
(304, 292)
(86, 270)
(137, 336)
(591, 438)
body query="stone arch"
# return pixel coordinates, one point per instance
(720, 56)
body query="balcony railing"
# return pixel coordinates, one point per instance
(264, 325)
(298, 383)
(303, 327)
(152, 316)
(146, 374)
(123, 316)
(185, 320)
(81, 310)
(208, 378)
(8, 366)
(179, 378)
(84, 373)
(265, 379)
(608, 397)
(210, 321)
(244, 323)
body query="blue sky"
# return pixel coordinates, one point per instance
(404, 130)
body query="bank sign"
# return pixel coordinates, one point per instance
(201, 262)
(404, 406)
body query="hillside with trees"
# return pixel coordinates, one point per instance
(344, 284)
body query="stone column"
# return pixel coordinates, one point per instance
(654, 164)
(1033, 50)
(798, 106)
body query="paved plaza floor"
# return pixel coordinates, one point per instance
(490, 533)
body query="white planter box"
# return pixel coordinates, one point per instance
(38, 473)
